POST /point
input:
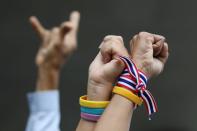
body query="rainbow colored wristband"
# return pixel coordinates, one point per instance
(91, 110)
(92, 104)
(90, 117)
(96, 111)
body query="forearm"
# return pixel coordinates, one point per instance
(48, 79)
(85, 125)
(95, 95)
(117, 115)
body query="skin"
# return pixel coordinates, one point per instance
(57, 44)
(102, 74)
(148, 51)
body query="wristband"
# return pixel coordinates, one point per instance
(91, 110)
(89, 117)
(135, 82)
(92, 104)
(128, 94)
(96, 111)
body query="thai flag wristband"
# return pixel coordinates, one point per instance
(91, 110)
(135, 81)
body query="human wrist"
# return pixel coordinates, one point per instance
(122, 101)
(99, 91)
(143, 66)
(48, 79)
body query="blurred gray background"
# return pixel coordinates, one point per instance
(175, 89)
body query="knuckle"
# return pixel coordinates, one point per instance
(55, 29)
(135, 37)
(119, 38)
(146, 36)
(108, 37)
(143, 34)
(116, 43)
(131, 42)
(112, 42)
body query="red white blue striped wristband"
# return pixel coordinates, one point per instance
(135, 81)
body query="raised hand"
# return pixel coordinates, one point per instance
(149, 52)
(57, 43)
(105, 68)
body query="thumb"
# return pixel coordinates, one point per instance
(114, 68)
(157, 47)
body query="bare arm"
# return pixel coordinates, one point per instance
(102, 74)
(150, 53)
(117, 116)
(57, 45)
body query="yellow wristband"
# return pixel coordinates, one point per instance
(128, 94)
(92, 104)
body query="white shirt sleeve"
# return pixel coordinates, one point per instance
(44, 111)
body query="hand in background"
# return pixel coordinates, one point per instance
(149, 52)
(105, 68)
(57, 44)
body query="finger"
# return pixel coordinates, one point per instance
(134, 37)
(144, 36)
(75, 18)
(53, 45)
(132, 41)
(70, 32)
(72, 23)
(113, 48)
(110, 37)
(37, 26)
(163, 56)
(100, 45)
(98, 60)
(158, 37)
(157, 47)
(114, 68)
(40, 57)
(65, 28)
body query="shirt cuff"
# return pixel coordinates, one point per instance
(43, 101)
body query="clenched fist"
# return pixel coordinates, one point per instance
(105, 68)
(149, 52)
